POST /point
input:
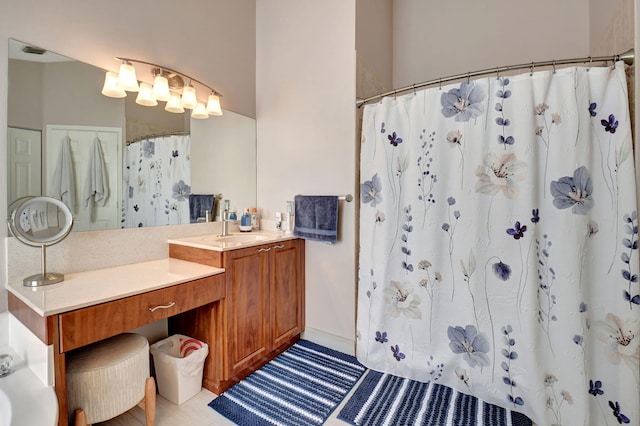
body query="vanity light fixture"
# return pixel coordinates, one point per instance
(164, 84)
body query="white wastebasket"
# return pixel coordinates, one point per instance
(179, 363)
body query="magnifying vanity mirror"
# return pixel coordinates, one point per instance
(40, 222)
(54, 100)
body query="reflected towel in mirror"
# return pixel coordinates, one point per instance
(63, 185)
(199, 204)
(96, 185)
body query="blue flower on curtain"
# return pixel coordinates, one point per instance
(371, 191)
(181, 190)
(502, 270)
(148, 149)
(631, 229)
(463, 103)
(575, 192)
(592, 109)
(510, 355)
(381, 337)
(472, 345)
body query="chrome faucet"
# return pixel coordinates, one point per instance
(225, 219)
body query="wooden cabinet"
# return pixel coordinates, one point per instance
(261, 315)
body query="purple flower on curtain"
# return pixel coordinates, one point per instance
(502, 270)
(611, 124)
(592, 109)
(575, 192)
(535, 216)
(181, 190)
(471, 344)
(463, 103)
(148, 149)
(381, 337)
(371, 191)
(399, 356)
(517, 231)
(595, 388)
(621, 418)
(394, 139)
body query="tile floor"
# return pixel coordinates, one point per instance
(194, 412)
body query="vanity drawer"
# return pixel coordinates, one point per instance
(88, 325)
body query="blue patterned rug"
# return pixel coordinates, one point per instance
(391, 400)
(302, 386)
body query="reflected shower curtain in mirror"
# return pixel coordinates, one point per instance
(157, 182)
(499, 243)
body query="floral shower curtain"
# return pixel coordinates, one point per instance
(499, 243)
(157, 182)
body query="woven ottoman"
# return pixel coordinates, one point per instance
(108, 378)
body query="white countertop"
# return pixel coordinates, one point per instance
(82, 289)
(233, 241)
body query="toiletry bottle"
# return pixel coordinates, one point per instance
(245, 220)
(255, 219)
(289, 218)
(233, 215)
(278, 221)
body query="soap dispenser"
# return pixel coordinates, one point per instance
(245, 221)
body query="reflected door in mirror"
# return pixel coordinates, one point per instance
(24, 163)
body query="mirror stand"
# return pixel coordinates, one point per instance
(45, 278)
(40, 222)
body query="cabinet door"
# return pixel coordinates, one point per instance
(247, 309)
(286, 291)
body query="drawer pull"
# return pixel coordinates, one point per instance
(279, 246)
(260, 250)
(171, 304)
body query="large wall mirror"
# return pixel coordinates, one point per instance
(149, 160)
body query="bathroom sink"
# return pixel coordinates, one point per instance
(5, 409)
(227, 242)
(243, 238)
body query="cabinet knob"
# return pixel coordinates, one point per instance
(154, 308)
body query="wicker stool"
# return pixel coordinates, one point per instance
(108, 378)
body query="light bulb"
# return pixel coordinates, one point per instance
(127, 77)
(200, 111)
(145, 95)
(189, 99)
(173, 104)
(161, 88)
(213, 105)
(112, 87)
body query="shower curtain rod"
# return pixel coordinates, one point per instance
(157, 135)
(627, 57)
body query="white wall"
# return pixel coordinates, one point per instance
(305, 92)
(436, 38)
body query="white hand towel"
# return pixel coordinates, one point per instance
(63, 185)
(96, 186)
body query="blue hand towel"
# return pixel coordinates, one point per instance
(316, 217)
(198, 205)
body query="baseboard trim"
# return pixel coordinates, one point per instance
(329, 340)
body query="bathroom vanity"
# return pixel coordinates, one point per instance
(93, 305)
(243, 296)
(262, 313)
